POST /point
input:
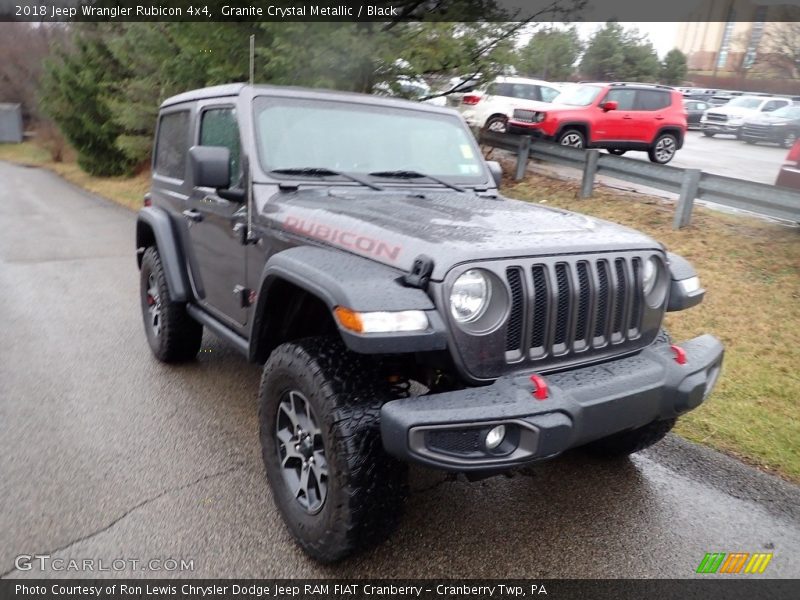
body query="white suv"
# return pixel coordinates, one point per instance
(492, 107)
(730, 117)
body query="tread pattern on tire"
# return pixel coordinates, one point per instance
(372, 483)
(181, 336)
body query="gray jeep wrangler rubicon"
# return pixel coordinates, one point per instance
(404, 311)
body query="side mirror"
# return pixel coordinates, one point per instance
(211, 166)
(496, 170)
(609, 105)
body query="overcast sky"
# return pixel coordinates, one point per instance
(661, 35)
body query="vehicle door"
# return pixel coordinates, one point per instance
(217, 225)
(618, 124)
(650, 113)
(170, 189)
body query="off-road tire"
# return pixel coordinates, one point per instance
(366, 487)
(180, 336)
(630, 442)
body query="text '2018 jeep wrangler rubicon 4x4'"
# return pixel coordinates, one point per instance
(404, 311)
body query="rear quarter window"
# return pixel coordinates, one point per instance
(652, 99)
(172, 144)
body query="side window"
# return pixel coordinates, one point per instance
(172, 144)
(624, 98)
(218, 127)
(501, 89)
(548, 93)
(652, 100)
(525, 92)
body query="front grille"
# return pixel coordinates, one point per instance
(566, 301)
(561, 311)
(718, 117)
(526, 116)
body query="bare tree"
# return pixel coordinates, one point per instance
(24, 48)
(779, 50)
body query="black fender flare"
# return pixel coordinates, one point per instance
(153, 226)
(341, 279)
(681, 272)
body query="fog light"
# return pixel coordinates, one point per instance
(495, 437)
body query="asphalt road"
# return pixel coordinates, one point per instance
(106, 453)
(725, 155)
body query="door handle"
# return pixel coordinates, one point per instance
(659, 118)
(193, 215)
(627, 117)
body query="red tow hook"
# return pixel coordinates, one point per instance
(680, 354)
(539, 387)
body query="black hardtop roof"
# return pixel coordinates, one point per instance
(235, 89)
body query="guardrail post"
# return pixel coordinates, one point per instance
(683, 211)
(589, 171)
(523, 152)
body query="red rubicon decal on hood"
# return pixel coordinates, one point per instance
(344, 239)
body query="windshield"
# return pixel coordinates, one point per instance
(743, 102)
(581, 95)
(357, 138)
(787, 112)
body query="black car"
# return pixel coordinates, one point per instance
(694, 110)
(778, 127)
(403, 310)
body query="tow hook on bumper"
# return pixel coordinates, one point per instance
(459, 431)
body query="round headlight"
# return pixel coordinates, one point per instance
(649, 275)
(470, 296)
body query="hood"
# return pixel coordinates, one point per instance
(769, 119)
(734, 111)
(537, 105)
(394, 227)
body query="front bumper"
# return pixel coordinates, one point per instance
(532, 129)
(774, 135)
(720, 127)
(447, 430)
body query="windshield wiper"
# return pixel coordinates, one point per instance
(415, 175)
(325, 172)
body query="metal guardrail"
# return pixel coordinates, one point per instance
(690, 184)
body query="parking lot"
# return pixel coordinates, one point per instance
(725, 155)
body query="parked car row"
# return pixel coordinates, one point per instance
(730, 118)
(620, 116)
